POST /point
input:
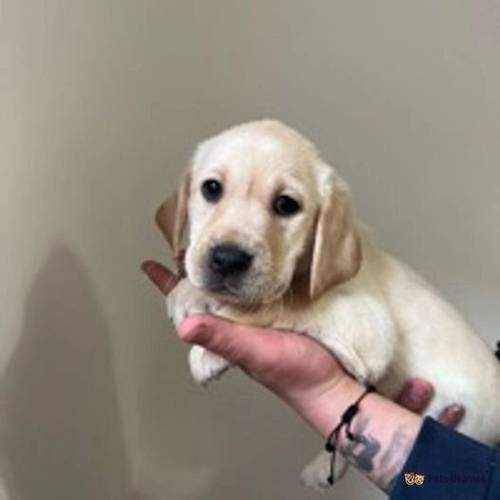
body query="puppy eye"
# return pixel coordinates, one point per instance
(211, 190)
(285, 206)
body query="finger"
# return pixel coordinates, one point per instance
(452, 415)
(249, 347)
(162, 277)
(415, 394)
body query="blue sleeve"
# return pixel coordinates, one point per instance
(445, 464)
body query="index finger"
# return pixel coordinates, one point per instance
(162, 277)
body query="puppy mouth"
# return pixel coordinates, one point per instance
(224, 287)
(234, 274)
(234, 292)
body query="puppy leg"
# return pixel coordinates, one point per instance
(361, 333)
(186, 300)
(316, 474)
(349, 358)
(205, 365)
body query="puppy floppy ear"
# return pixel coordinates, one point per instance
(336, 255)
(172, 216)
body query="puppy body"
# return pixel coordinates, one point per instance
(318, 273)
(386, 325)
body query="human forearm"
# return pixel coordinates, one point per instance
(385, 432)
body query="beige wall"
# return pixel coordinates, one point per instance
(101, 103)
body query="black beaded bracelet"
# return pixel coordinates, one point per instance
(345, 420)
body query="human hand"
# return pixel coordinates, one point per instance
(416, 395)
(294, 366)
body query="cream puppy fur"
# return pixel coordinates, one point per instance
(272, 241)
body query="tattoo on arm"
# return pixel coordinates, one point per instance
(394, 457)
(367, 453)
(363, 449)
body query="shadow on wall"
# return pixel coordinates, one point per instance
(61, 430)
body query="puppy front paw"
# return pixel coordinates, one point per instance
(205, 365)
(185, 300)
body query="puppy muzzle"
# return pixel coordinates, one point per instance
(227, 265)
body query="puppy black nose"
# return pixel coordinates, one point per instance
(229, 259)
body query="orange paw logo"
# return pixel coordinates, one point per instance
(412, 478)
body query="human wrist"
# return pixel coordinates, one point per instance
(385, 434)
(323, 406)
(386, 431)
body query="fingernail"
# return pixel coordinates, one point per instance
(197, 334)
(200, 332)
(410, 385)
(455, 410)
(419, 392)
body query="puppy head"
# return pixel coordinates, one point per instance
(262, 212)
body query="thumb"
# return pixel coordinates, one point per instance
(249, 347)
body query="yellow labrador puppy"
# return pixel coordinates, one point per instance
(272, 241)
